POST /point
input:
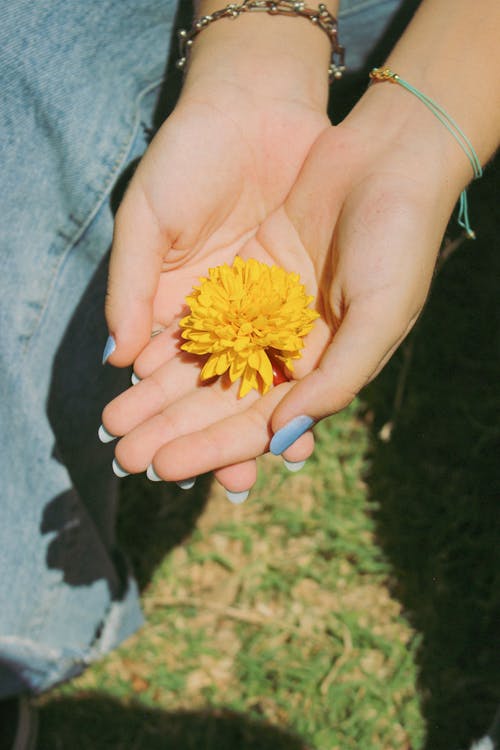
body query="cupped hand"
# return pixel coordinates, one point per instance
(370, 207)
(219, 165)
(362, 225)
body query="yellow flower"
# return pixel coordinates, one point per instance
(243, 313)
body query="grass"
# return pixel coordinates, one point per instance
(438, 476)
(276, 613)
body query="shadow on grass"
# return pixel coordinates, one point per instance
(154, 518)
(439, 519)
(98, 722)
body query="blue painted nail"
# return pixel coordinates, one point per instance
(288, 434)
(237, 497)
(105, 436)
(108, 349)
(152, 475)
(294, 465)
(119, 470)
(186, 484)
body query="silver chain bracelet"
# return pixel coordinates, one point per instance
(321, 17)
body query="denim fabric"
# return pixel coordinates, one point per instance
(361, 25)
(77, 81)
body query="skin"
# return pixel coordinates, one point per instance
(249, 164)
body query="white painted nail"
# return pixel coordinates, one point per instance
(237, 497)
(135, 379)
(186, 484)
(118, 469)
(152, 475)
(294, 465)
(105, 436)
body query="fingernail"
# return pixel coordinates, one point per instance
(104, 435)
(186, 484)
(294, 465)
(288, 434)
(108, 349)
(152, 475)
(237, 497)
(135, 379)
(118, 469)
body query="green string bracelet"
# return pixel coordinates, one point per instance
(385, 74)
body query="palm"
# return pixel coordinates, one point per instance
(210, 178)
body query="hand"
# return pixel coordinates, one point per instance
(378, 227)
(216, 169)
(379, 208)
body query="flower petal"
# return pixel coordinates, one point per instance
(210, 367)
(239, 312)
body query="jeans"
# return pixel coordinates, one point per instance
(78, 80)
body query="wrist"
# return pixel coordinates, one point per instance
(264, 55)
(403, 125)
(450, 53)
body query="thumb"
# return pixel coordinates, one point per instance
(139, 247)
(362, 345)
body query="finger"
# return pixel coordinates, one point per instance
(237, 480)
(161, 349)
(139, 247)
(231, 440)
(367, 335)
(298, 453)
(196, 411)
(152, 395)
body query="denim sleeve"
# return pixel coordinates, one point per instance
(361, 25)
(79, 83)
